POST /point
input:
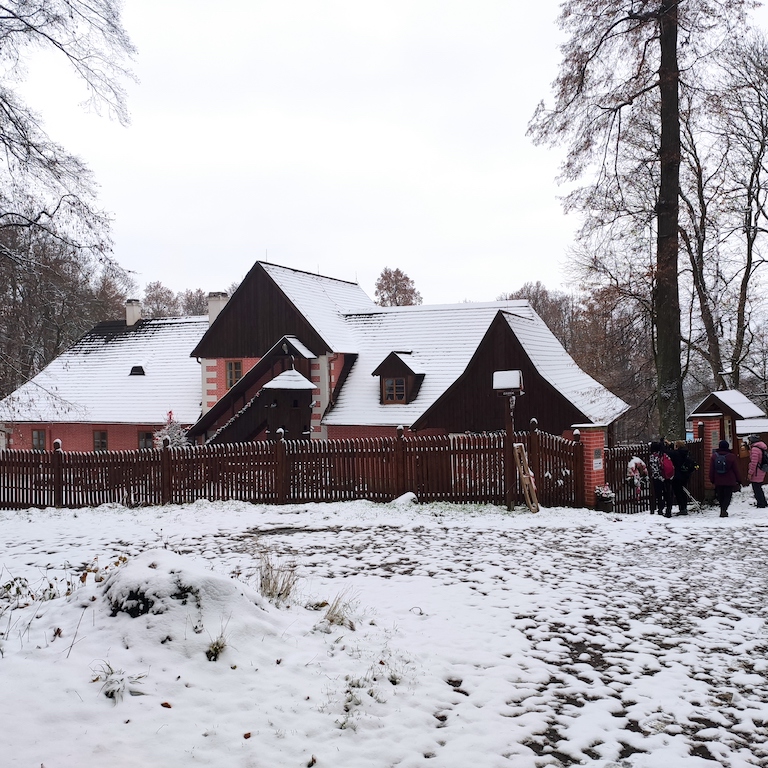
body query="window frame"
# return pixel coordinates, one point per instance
(100, 440)
(233, 372)
(396, 385)
(143, 438)
(36, 440)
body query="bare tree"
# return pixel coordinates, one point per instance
(193, 302)
(557, 309)
(42, 186)
(159, 301)
(395, 289)
(621, 69)
(48, 300)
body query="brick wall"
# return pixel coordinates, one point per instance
(215, 378)
(593, 440)
(711, 433)
(79, 437)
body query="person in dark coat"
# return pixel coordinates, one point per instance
(755, 475)
(684, 468)
(662, 488)
(725, 482)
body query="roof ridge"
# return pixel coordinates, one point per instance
(305, 272)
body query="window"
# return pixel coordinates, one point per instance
(146, 439)
(234, 372)
(38, 439)
(99, 440)
(394, 390)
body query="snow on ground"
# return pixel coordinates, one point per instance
(431, 635)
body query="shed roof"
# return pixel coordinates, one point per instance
(91, 381)
(730, 401)
(289, 380)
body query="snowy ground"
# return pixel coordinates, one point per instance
(460, 636)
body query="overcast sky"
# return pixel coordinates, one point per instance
(338, 137)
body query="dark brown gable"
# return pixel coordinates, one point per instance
(471, 405)
(257, 315)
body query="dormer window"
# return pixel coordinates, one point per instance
(393, 390)
(137, 370)
(400, 377)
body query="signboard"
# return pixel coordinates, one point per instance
(597, 459)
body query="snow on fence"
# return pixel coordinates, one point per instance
(455, 468)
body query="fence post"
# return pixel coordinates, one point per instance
(579, 489)
(58, 474)
(399, 463)
(281, 468)
(165, 472)
(534, 451)
(509, 460)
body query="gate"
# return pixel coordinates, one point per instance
(629, 499)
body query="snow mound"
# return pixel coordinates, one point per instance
(177, 599)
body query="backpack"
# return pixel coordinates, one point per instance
(667, 467)
(689, 466)
(721, 465)
(763, 466)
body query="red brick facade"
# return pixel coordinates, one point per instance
(79, 437)
(215, 377)
(593, 440)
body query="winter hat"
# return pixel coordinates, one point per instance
(723, 446)
(753, 439)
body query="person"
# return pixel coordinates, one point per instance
(685, 466)
(755, 475)
(662, 487)
(727, 480)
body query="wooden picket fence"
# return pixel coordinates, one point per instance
(461, 469)
(627, 498)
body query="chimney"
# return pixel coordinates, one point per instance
(216, 302)
(132, 311)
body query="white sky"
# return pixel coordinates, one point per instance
(338, 137)
(479, 638)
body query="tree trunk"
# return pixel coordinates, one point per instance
(667, 298)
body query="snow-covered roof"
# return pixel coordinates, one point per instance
(323, 302)
(300, 348)
(443, 338)
(746, 427)
(555, 365)
(734, 400)
(289, 380)
(91, 381)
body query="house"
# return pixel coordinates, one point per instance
(113, 389)
(313, 356)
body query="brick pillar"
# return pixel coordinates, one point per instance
(593, 439)
(710, 430)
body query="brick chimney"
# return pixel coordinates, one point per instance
(216, 302)
(132, 311)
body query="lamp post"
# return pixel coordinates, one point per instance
(508, 384)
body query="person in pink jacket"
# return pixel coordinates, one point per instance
(755, 475)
